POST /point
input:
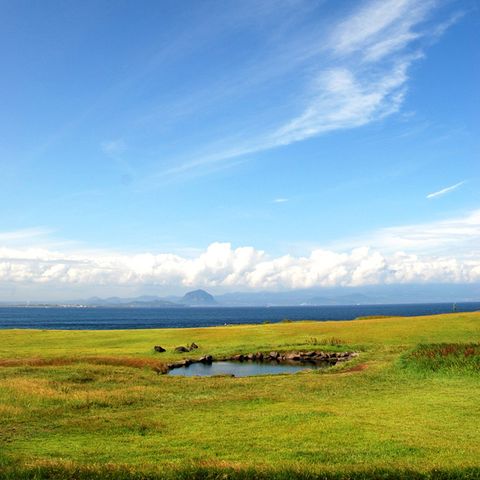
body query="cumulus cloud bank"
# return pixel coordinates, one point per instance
(221, 265)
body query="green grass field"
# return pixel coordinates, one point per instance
(87, 404)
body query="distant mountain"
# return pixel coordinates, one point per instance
(138, 302)
(366, 295)
(198, 298)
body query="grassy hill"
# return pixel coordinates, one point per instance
(87, 404)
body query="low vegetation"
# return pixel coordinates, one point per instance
(62, 472)
(455, 358)
(88, 404)
(332, 341)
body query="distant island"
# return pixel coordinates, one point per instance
(198, 298)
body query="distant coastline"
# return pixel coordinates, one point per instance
(344, 296)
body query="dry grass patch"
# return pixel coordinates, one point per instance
(63, 361)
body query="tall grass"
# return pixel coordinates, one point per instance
(446, 357)
(329, 341)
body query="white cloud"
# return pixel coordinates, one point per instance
(280, 200)
(346, 100)
(453, 237)
(24, 234)
(443, 191)
(374, 48)
(442, 251)
(379, 28)
(358, 74)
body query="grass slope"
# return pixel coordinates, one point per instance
(72, 406)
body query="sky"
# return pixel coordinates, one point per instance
(156, 147)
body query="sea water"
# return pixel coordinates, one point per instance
(102, 318)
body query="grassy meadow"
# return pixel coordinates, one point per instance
(88, 404)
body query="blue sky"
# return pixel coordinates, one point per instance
(158, 146)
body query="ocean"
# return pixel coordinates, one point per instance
(100, 318)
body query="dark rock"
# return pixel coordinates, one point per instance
(159, 349)
(293, 356)
(182, 363)
(274, 355)
(181, 349)
(251, 356)
(171, 366)
(206, 359)
(160, 370)
(238, 358)
(259, 356)
(193, 346)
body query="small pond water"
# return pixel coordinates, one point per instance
(241, 369)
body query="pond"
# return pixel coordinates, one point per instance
(242, 369)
